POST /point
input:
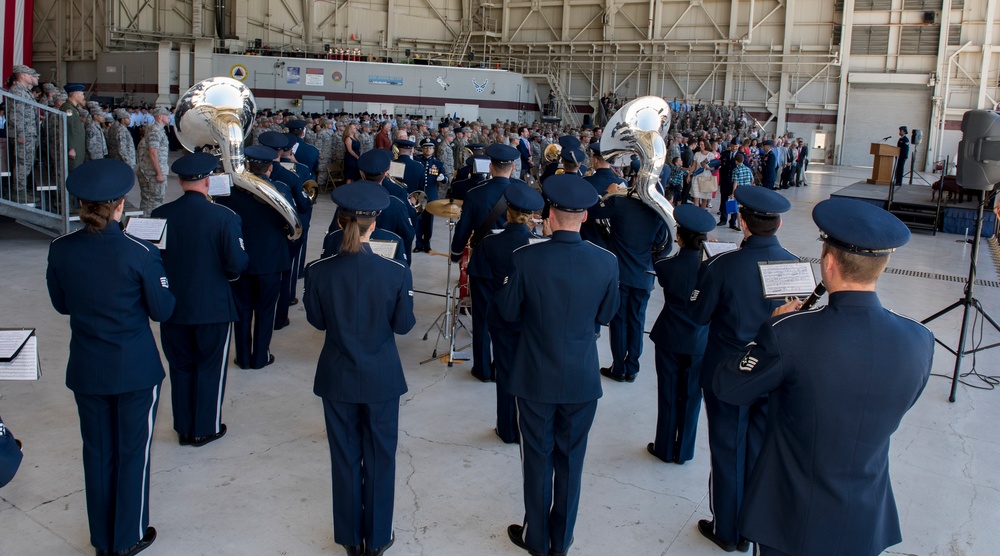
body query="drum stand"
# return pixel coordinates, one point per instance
(447, 322)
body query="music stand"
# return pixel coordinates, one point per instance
(445, 327)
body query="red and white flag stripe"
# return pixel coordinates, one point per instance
(16, 22)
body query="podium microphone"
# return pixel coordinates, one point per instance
(886, 138)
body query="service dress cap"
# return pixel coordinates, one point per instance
(476, 146)
(404, 143)
(768, 143)
(595, 146)
(694, 218)
(161, 111)
(275, 140)
(362, 198)
(569, 142)
(194, 166)
(569, 193)
(502, 153)
(903, 128)
(761, 201)
(101, 180)
(74, 88)
(427, 142)
(295, 124)
(574, 155)
(260, 153)
(21, 68)
(374, 162)
(858, 227)
(522, 198)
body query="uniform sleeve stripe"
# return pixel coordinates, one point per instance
(783, 318)
(136, 241)
(911, 319)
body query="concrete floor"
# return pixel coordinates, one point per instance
(265, 489)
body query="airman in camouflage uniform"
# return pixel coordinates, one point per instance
(119, 140)
(366, 138)
(309, 135)
(446, 153)
(337, 148)
(22, 129)
(324, 144)
(151, 159)
(96, 146)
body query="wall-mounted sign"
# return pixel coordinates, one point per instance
(480, 88)
(384, 80)
(337, 77)
(314, 77)
(238, 72)
(294, 75)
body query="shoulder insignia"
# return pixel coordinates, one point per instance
(505, 279)
(748, 363)
(69, 112)
(163, 282)
(410, 292)
(694, 295)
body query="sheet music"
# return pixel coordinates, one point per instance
(480, 166)
(383, 248)
(153, 230)
(25, 365)
(713, 248)
(11, 342)
(220, 185)
(396, 169)
(290, 166)
(781, 279)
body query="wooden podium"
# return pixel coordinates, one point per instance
(882, 171)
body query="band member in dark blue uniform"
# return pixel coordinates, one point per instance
(771, 166)
(295, 195)
(258, 287)
(605, 180)
(484, 210)
(554, 375)
(360, 300)
(729, 299)
(304, 153)
(465, 172)
(413, 177)
(432, 175)
(903, 144)
(111, 284)
(204, 252)
(636, 230)
(461, 187)
(574, 158)
(490, 263)
(839, 379)
(398, 216)
(679, 342)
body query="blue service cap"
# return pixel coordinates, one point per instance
(903, 128)
(274, 140)
(10, 455)
(361, 198)
(574, 155)
(502, 153)
(427, 142)
(715, 163)
(476, 146)
(522, 198)
(101, 181)
(569, 193)
(374, 162)
(569, 142)
(595, 146)
(768, 143)
(404, 143)
(195, 166)
(635, 163)
(295, 124)
(761, 201)
(858, 227)
(696, 219)
(74, 87)
(260, 153)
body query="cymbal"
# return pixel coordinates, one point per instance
(445, 208)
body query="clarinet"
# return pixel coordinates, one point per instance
(813, 297)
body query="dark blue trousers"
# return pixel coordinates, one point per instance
(256, 299)
(735, 435)
(504, 343)
(625, 330)
(678, 403)
(289, 283)
(482, 363)
(303, 243)
(117, 431)
(198, 355)
(363, 456)
(553, 446)
(425, 227)
(768, 551)
(900, 170)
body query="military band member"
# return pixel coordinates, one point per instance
(399, 216)
(431, 178)
(151, 159)
(461, 186)
(554, 375)
(490, 263)
(484, 210)
(729, 298)
(257, 289)
(605, 180)
(360, 300)
(839, 380)
(413, 177)
(111, 284)
(467, 169)
(304, 152)
(679, 342)
(204, 253)
(76, 136)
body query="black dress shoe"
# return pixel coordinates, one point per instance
(238, 364)
(721, 224)
(293, 301)
(101, 552)
(631, 377)
(184, 439)
(354, 550)
(138, 547)
(705, 528)
(280, 325)
(202, 440)
(482, 378)
(515, 533)
(606, 371)
(651, 449)
(270, 361)
(381, 550)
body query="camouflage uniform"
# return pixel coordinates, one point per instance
(367, 141)
(22, 123)
(446, 155)
(460, 154)
(151, 190)
(324, 144)
(337, 148)
(96, 146)
(119, 140)
(310, 135)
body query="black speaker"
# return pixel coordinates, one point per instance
(586, 120)
(979, 150)
(930, 17)
(470, 55)
(407, 52)
(257, 43)
(916, 136)
(326, 48)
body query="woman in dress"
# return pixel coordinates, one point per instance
(110, 284)
(352, 150)
(703, 183)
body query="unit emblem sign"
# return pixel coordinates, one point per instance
(238, 72)
(337, 77)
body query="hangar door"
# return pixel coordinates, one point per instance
(876, 111)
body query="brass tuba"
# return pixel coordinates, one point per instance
(219, 112)
(639, 127)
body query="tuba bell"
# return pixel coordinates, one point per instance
(639, 127)
(217, 113)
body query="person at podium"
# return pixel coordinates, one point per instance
(904, 152)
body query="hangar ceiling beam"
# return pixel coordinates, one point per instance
(786, 45)
(846, 35)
